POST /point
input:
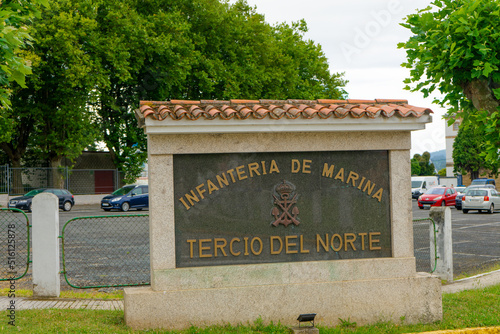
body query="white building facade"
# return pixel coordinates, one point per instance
(450, 135)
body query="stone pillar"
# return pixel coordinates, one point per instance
(45, 230)
(443, 243)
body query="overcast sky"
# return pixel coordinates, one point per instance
(360, 38)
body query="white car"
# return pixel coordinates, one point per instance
(481, 199)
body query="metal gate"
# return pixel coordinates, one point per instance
(14, 244)
(421, 244)
(103, 249)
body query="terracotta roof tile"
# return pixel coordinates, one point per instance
(276, 112)
(277, 109)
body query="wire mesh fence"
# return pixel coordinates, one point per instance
(106, 251)
(14, 244)
(94, 181)
(18, 181)
(22, 180)
(4, 179)
(421, 244)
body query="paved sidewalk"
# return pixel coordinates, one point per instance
(474, 282)
(28, 303)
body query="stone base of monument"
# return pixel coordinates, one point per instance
(264, 215)
(417, 299)
(304, 330)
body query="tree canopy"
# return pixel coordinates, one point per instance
(95, 59)
(455, 50)
(467, 157)
(421, 165)
(14, 16)
(14, 63)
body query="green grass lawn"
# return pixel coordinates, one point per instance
(474, 308)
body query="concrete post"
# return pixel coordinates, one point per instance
(443, 243)
(45, 228)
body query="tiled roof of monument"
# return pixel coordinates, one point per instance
(277, 109)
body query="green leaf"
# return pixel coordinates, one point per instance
(496, 92)
(488, 68)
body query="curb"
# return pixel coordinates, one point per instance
(475, 282)
(481, 330)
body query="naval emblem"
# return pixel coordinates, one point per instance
(285, 210)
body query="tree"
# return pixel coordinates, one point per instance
(98, 58)
(14, 15)
(467, 153)
(14, 65)
(425, 166)
(198, 49)
(455, 49)
(415, 167)
(51, 112)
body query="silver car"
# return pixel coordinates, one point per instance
(481, 199)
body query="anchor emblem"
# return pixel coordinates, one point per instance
(285, 199)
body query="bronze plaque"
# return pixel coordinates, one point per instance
(281, 207)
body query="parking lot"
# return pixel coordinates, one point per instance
(476, 239)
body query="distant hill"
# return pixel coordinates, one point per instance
(438, 158)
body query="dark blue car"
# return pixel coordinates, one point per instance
(66, 199)
(126, 198)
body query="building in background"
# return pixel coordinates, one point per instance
(451, 132)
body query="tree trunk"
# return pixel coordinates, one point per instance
(481, 95)
(15, 157)
(17, 176)
(57, 172)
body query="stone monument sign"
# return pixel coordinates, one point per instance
(273, 209)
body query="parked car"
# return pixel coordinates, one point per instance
(66, 199)
(438, 196)
(420, 184)
(126, 198)
(481, 199)
(458, 200)
(482, 182)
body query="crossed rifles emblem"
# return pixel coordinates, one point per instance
(283, 204)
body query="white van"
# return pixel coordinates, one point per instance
(420, 184)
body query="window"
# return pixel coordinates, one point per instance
(137, 191)
(435, 191)
(456, 125)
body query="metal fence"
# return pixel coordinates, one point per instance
(4, 179)
(14, 244)
(106, 251)
(422, 242)
(16, 181)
